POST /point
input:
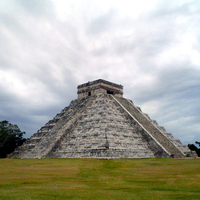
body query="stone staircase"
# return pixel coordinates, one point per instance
(42, 142)
(156, 132)
(103, 132)
(100, 126)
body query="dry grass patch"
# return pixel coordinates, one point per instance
(99, 179)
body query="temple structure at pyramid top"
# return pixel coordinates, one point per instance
(101, 123)
(99, 86)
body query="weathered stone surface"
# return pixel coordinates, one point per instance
(99, 86)
(102, 124)
(103, 132)
(157, 133)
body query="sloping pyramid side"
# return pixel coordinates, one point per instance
(171, 145)
(100, 126)
(103, 132)
(39, 145)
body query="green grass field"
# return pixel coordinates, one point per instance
(99, 179)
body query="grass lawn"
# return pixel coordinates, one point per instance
(99, 179)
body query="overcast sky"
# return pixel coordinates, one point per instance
(152, 48)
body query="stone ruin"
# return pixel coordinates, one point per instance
(100, 123)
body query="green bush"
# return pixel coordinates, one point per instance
(10, 137)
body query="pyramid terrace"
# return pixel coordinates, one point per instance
(101, 123)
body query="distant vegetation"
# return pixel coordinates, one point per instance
(192, 147)
(95, 179)
(10, 137)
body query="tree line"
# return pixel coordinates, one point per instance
(10, 138)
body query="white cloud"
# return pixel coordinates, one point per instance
(150, 47)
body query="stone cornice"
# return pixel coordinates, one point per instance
(100, 81)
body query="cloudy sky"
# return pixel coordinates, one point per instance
(152, 48)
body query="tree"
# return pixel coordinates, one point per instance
(192, 147)
(10, 137)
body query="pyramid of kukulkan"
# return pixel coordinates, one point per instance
(100, 123)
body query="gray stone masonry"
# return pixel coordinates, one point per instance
(158, 133)
(101, 124)
(47, 137)
(99, 86)
(103, 132)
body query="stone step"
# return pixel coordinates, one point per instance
(151, 128)
(95, 131)
(50, 135)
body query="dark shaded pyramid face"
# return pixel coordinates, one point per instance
(102, 125)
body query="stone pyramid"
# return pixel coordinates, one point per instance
(100, 123)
